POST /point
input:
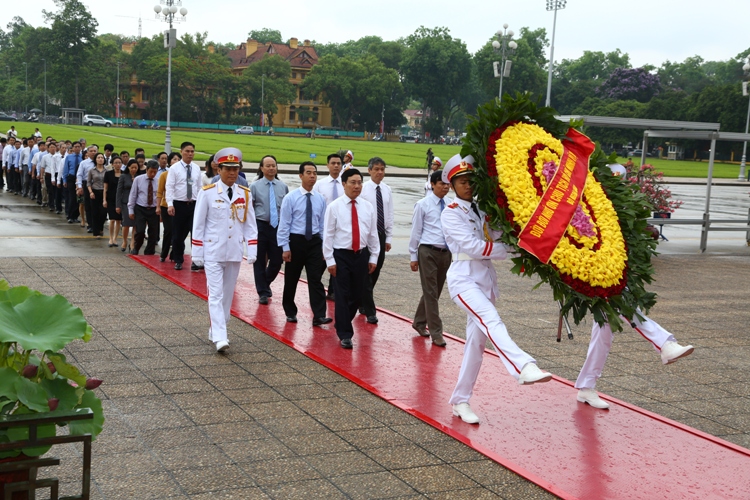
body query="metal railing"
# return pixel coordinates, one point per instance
(707, 224)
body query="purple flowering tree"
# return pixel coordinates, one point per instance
(630, 84)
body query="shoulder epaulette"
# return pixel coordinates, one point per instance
(245, 188)
(209, 186)
(453, 205)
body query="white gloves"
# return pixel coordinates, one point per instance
(252, 253)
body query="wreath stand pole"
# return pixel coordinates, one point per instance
(563, 319)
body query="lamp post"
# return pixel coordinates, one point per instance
(117, 104)
(554, 5)
(166, 11)
(26, 89)
(746, 68)
(45, 88)
(506, 47)
(262, 96)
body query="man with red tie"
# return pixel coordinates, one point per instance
(350, 248)
(142, 208)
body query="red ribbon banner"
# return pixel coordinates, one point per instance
(551, 217)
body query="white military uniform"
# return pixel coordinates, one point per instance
(472, 284)
(220, 235)
(601, 343)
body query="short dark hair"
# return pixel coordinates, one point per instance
(186, 144)
(132, 162)
(141, 150)
(109, 147)
(139, 156)
(160, 153)
(334, 155)
(124, 153)
(306, 164)
(172, 155)
(375, 160)
(436, 176)
(3, 140)
(348, 173)
(76, 142)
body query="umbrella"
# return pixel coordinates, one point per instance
(36, 110)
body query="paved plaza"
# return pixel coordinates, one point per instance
(265, 421)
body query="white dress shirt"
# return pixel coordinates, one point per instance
(426, 228)
(337, 232)
(369, 193)
(52, 165)
(6, 154)
(176, 188)
(24, 161)
(325, 187)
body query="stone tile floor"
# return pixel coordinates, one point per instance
(267, 422)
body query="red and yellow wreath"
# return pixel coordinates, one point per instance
(597, 257)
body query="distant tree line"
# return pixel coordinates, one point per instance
(361, 80)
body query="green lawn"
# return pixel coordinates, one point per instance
(294, 150)
(291, 150)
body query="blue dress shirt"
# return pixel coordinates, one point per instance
(292, 216)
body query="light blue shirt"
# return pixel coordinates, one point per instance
(292, 217)
(426, 226)
(260, 191)
(83, 171)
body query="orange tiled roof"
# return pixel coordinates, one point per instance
(301, 57)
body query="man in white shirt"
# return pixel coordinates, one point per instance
(430, 256)
(41, 188)
(330, 187)
(24, 171)
(82, 186)
(350, 248)
(380, 196)
(50, 169)
(182, 188)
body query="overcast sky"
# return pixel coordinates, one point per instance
(651, 31)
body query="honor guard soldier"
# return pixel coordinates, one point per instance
(472, 283)
(223, 225)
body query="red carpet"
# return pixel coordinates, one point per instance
(540, 432)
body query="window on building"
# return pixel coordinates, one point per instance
(146, 94)
(292, 113)
(294, 75)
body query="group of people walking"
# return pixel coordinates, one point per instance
(338, 223)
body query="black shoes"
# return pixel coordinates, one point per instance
(178, 266)
(291, 319)
(330, 296)
(161, 259)
(321, 321)
(193, 267)
(373, 320)
(263, 300)
(346, 343)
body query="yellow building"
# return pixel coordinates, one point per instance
(304, 111)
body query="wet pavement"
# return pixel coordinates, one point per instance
(269, 422)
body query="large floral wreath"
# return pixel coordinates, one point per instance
(603, 260)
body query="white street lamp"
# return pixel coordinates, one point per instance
(45, 88)
(166, 12)
(552, 5)
(506, 47)
(26, 91)
(746, 68)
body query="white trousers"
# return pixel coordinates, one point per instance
(483, 322)
(221, 277)
(601, 343)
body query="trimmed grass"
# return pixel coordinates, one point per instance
(290, 150)
(295, 150)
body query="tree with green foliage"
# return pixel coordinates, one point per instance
(73, 34)
(266, 35)
(436, 70)
(266, 85)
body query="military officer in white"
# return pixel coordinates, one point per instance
(223, 225)
(472, 283)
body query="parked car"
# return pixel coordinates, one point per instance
(637, 153)
(7, 118)
(245, 130)
(92, 120)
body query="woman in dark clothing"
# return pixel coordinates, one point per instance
(123, 193)
(111, 179)
(95, 186)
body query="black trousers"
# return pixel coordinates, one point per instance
(26, 180)
(351, 281)
(15, 185)
(166, 243)
(182, 225)
(87, 201)
(2, 178)
(71, 199)
(146, 216)
(97, 211)
(307, 255)
(54, 194)
(268, 264)
(368, 302)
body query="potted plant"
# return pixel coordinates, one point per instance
(651, 184)
(35, 377)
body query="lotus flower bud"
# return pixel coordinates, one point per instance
(52, 403)
(30, 371)
(93, 383)
(51, 367)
